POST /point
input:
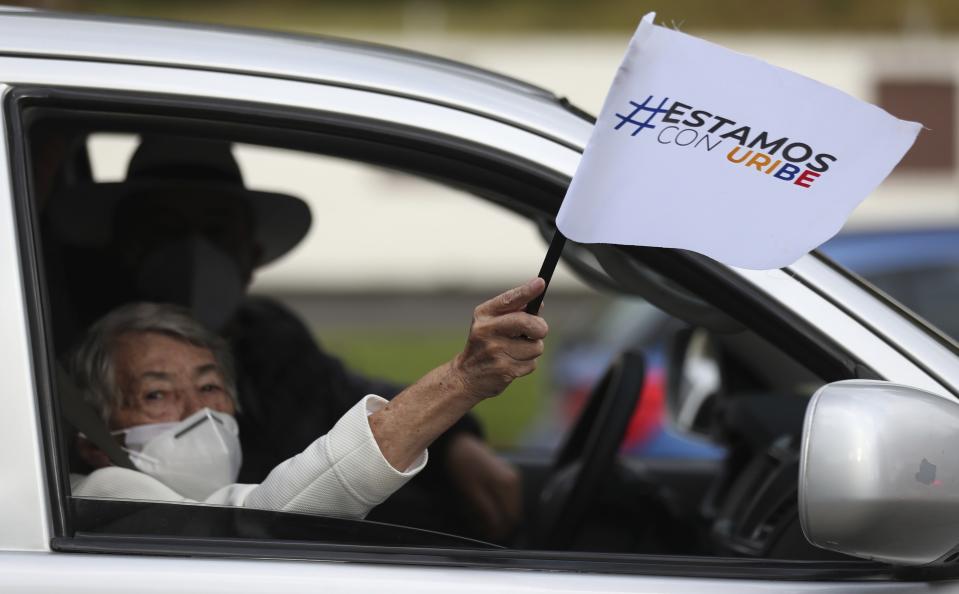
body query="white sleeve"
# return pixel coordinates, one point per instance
(115, 482)
(340, 474)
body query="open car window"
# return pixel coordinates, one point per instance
(661, 423)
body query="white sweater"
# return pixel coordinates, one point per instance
(343, 473)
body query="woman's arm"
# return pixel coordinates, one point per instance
(503, 344)
(377, 445)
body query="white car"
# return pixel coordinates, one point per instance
(763, 343)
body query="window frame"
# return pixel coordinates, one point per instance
(697, 274)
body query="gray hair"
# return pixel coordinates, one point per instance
(92, 363)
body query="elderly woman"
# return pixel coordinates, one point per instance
(164, 385)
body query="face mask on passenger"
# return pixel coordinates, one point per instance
(193, 272)
(195, 457)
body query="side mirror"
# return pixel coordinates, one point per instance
(879, 473)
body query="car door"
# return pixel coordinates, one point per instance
(41, 548)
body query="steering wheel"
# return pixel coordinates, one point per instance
(589, 453)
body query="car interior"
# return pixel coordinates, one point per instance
(738, 371)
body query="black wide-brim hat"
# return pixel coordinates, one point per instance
(84, 214)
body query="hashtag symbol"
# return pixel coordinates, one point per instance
(640, 107)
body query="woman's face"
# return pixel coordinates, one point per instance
(164, 379)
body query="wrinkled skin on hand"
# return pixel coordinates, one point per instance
(503, 344)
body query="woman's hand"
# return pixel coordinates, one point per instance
(503, 345)
(504, 342)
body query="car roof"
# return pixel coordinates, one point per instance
(299, 57)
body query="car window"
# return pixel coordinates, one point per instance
(370, 295)
(363, 281)
(391, 267)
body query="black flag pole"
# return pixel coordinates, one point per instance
(546, 271)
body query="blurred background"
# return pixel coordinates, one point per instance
(397, 314)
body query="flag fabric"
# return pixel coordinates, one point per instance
(702, 148)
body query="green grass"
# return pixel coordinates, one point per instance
(404, 356)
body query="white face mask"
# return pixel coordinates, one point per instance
(194, 457)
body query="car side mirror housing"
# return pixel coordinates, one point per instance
(879, 473)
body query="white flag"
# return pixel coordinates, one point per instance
(702, 148)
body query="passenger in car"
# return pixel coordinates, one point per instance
(186, 230)
(164, 384)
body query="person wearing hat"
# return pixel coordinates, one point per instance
(187, 231)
